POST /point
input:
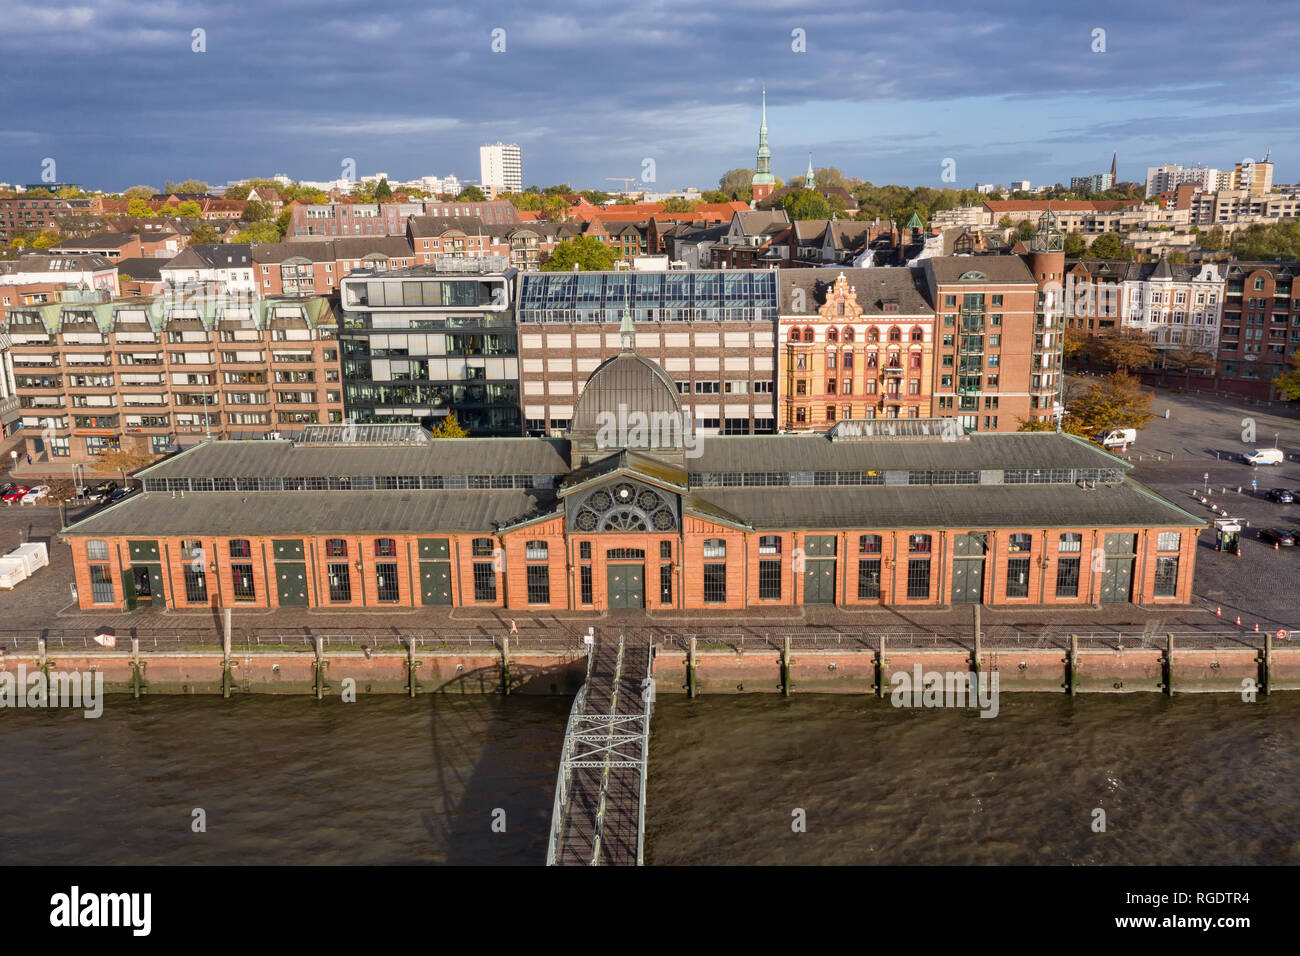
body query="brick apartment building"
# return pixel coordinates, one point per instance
(1261, 326)
(153, 374)
(38, 279)
(898, 517)
(387, 219)
(855, 344)
(712, 332)
(21, 214)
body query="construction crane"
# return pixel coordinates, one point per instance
(622, 179)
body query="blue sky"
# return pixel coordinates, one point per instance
(113, 92)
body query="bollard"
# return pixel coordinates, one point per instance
(318, 665)
(1266, 666)
(976, 658)
(881, 660)
(691, 665)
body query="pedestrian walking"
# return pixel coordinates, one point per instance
(29, 459)
(514, 629)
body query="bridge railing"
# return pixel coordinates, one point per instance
(560, 806)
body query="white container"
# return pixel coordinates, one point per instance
(35, 553)
(12, 572)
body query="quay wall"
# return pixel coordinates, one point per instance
(729, 671)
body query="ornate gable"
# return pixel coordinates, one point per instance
(841, 302)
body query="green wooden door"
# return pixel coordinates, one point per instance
(128, 588)
(435, 582)
(819, 581)
(291, 583)
(625, 585)
(1117, 581)
(968, 581)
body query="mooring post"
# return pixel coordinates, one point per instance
(785, 667)
(1266, 666)
(42, 661)
(1072, 666)
(505, 666)
(411, 665)
(1168, 662)
(319, 666)
(227, 676)
(136, 676)
(691, 689)
(880, 669)
(977, 657)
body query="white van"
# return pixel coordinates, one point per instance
(1265, 456)
(1117, 437)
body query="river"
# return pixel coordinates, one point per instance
(1192, 780)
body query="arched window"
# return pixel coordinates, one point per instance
(873, 334)
(808, 335)
(918, 335)
(895, 334)
(832, 335)
(794, 335)
(848, 335)
(336, 548)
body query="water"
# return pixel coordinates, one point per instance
(1205, 779)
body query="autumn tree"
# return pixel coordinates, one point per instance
(737, 184)
(472, 194)
(1288, 383)
(1075, 245)
(140, 209)
(450, 427)
(196, 186)
(588, 253)
(1124, 348)
(121, 461)
(258, 232)
(678, 204)
(1078, 344)
(204, 232)
(1116, 401)
(1107, 246)
(189, 209)
(139, 192)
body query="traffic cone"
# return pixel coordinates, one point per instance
(1218, 610)
(1257, 627)
(1274, 545)
(1239, 620)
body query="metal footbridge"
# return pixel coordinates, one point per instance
(599, 813)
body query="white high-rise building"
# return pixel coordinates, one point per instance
(501, 169)
(1161, 179)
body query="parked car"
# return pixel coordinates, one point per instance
(117, 494)
(1283, 496)
(1284, 539)
(101, 491)
(15, 494)
(1265, 456)
(5, 486)
(34, 494)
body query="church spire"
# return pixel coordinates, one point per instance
(763, 182)
(626, 331)
(809, 179)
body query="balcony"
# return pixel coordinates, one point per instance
(892, 371)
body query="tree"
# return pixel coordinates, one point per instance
(139, 192)
(140, 209)
(1275, 240)
(1107, 246)
(1078, 344)
(1116, 401)
(1075, 245)
(258, 232)
(46, 239)
(257, 211)
(1288, 383)
(187, 186)
(1035, 425)
(715, 195)
(189, 209)
(472, 194)
(737, 184)
(450, 427)
(1185, 358)
(204, 232)
(678, 204)
(1005, 222)
(828, 176)
(595, 196)
(588, 253)
(1214, 240)
(383, 191)
(1124, 348)
(1025, 229)
(803, 204)
(121, 461)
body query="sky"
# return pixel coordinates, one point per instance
(116, 92)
